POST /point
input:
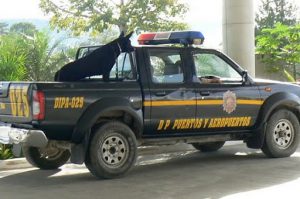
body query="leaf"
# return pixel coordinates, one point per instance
(98, 15)
(279, 45)
(5, 152)
(289, 76)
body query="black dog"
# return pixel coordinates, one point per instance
(99, 62)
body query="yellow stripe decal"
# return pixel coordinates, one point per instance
(199, 102)
(209, 102)
(250, 102)
(170, 103)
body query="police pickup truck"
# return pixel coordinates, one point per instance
(157, 94)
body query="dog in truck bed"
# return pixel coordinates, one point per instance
(98, 62)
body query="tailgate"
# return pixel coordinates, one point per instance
(15, 100)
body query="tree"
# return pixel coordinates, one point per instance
(29, 54)
(12, 58)
(23, 28)
(280, 48)
(95, 16)
(43, 56)
(272, 12)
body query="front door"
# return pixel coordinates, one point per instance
(224, 101)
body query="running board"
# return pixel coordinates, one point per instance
(189, 140)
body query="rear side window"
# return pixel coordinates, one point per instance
(165, 66)
(123, 68)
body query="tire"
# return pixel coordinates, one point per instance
(208, 147)
(112, 151)
(46, 158)
(281, 135)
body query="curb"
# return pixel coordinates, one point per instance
(16, 163)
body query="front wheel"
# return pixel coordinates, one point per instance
(282, 134)
(112, 151)
(46, 158)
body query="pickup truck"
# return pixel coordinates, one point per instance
(157, 94)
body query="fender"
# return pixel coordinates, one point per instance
(103, 106)
(281, 99)
(277, 100)
(82, 131)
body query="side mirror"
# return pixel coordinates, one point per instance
(244, 77)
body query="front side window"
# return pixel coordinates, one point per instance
(165, 66)
(212, 66)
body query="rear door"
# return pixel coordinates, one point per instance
(172, 102)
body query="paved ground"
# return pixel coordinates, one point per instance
(235, 172)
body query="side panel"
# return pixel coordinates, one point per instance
(220, 114)
(67, 102)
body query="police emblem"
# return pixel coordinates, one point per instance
(229, 102)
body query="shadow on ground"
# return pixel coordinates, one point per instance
(176, 174)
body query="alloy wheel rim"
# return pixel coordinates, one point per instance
(114, 151)
(283, 134)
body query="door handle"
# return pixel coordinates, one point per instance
(204, 93)
(161, 93)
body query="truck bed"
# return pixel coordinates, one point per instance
(64, 103)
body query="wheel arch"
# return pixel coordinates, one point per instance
(106, 109)
(277, 101)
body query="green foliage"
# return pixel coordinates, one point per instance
(23, 28)
(38, 56)
(280, 47)
(44, 56)
(272, 12)
(95, 16)
(5, 152)
(29, 54)
(12, 58)
(12, 68)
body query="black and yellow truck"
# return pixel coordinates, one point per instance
(157, 94)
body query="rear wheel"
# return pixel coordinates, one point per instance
(208, 147)
(46, 158)
(282, 134)
(112, 151)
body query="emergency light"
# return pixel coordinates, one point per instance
(179, 37)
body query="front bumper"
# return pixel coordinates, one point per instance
(10, 135)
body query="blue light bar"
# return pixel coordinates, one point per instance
(179, 37)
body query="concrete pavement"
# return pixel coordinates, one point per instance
(21, 163)
(167, 172)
